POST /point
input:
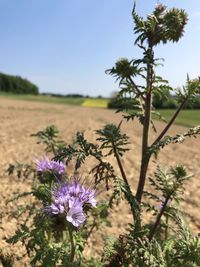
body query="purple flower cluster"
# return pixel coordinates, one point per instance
(70, 199)
(50, 165)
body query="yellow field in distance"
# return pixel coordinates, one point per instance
(95, 103)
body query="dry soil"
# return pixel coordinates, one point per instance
(19, 119)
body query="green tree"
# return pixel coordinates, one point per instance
(17, 85)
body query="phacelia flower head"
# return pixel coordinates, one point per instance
(45, 164)
(71, 200)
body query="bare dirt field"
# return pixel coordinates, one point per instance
(19, 119)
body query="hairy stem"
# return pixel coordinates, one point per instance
(135, 87)
(128, 194)
(73, 246)
(170, 122)
(142, 179)
(166, 230)
(157, 222)
(145, 136)
(49, 236)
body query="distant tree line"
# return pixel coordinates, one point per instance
(66, 95)
(70, 95)
(17, 85)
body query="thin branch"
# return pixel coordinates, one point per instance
(121, 167)
(129, 193)
(136, 88)
(170, 122)
(157, 222)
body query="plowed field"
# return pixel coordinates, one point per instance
(19, 119)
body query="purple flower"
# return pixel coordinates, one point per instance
(75, 214)
(71, 199)
(50, 165)
(85, 196)
(55, 208)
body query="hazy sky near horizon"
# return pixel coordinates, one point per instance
(65, 46)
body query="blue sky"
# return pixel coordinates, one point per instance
(65, 46)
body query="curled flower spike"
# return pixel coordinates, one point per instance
(71, 199)
(45, 164)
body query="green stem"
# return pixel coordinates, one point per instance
(166, 229)
(146, 125)
(170, 122)
(135, 88)
(128, 193)
(157, 222)
(49, 236)
(73, 246)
